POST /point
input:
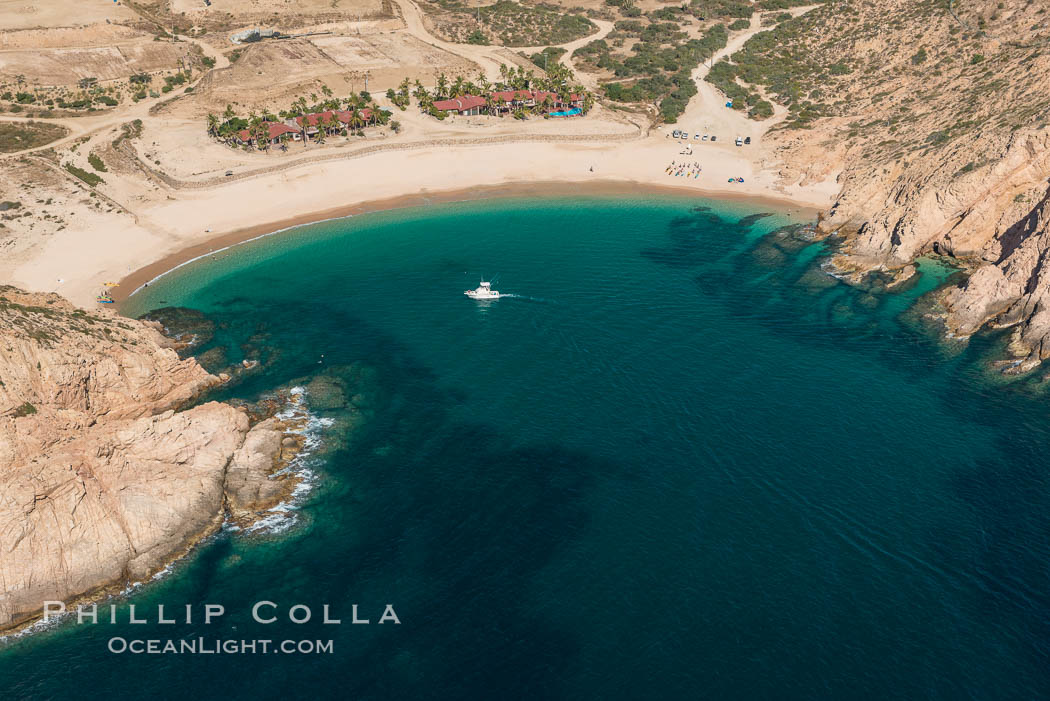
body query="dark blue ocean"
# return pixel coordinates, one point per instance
(680, 462)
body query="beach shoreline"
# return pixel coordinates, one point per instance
(153, 270)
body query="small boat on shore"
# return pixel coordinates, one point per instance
(484, 291)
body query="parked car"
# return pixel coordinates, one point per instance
(747, 141)
(676, 133)
(697, 136)
(739, 141)
(705, 138)
(229, 173)
(714, 138)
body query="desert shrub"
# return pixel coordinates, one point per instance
(26, 409)
(90, 178)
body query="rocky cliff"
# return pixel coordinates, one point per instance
(935, 114)
(105, 476)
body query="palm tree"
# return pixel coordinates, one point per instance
(229, 113)
(442, 86)
(213, 124)
(457, 87)
(321, 130)
(357, 122)
(504, 73)
(261, 133)
(548, 103)
(225, 132)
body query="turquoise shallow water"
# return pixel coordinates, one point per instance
(680, 463)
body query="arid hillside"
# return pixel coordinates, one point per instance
(938, 118)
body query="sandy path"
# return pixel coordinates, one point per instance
(487, 57)
(707, 113)
(483, 56)
(589, 81)
(93, 124)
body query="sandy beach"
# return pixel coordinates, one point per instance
(134, 281)
(187, 222)
(172, 192)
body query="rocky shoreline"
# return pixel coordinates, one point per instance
(109, 469)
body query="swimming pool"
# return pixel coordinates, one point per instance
(570, 113)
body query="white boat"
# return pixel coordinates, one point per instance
(484, 291)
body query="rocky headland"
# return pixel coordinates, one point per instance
(109, 466)
(935, 116)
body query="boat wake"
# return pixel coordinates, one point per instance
(527, 298)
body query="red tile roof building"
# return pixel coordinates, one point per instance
(275, 131)
(467, 105)
(505, 100)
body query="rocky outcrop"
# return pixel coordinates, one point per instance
(941, 134)
(1012, 291)
(104, 476)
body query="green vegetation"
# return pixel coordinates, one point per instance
(129, 130)
(226, 127)
(544, 58)
(720, 9)
(26, 409)
(738, 25)
(16, 136)
(783, 4)
(508, 23)
(557, 80)
(660, 67)
(778, 60)
(97, 163)
(90, 178)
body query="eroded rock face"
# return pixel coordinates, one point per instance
(937, 121)
(103, 478)
(1012, 291)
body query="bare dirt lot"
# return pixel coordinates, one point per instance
(288, 9)
(25, 14)
(65, 37)
(67, 66)
(272, 74)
